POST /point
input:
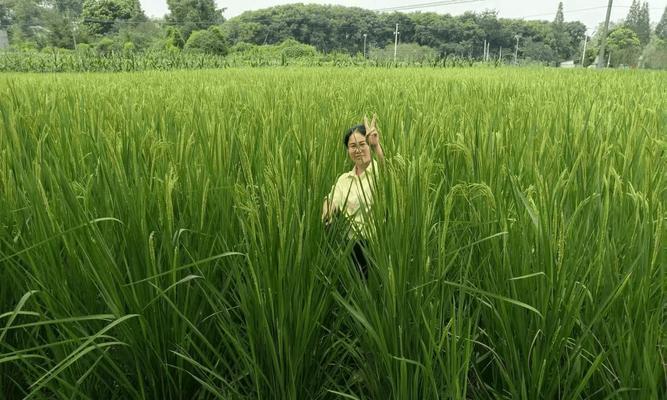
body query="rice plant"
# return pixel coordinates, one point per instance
(160, 235)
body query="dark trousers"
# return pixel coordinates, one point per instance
(359, 258)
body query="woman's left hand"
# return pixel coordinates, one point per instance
(372, 132)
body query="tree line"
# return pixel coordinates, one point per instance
(199, 25)
(337, 28)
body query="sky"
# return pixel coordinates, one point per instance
(590, 12)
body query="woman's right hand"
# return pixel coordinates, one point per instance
(328, 211)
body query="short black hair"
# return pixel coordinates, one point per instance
(358, 128)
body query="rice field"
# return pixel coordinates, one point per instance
(160, 235)
(69, 61)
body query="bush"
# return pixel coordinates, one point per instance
(48, 50)
(128, 48)
(209, 41)
(142, 35)
(104, 46)
(405, 52)
(655, 54)
(242, 47)
(624, 47)
(540, 52)
(174, 38)
(290, 48)
(84, 49)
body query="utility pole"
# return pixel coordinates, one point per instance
(395, 42)
(603, 43)
(4, 40)
(365, 44)
(73, 27)
(583, 55)
(484, 56)
(516, 50)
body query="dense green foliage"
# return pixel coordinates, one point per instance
(107, 56)
(100, 16)
(193, 15)
(38, 24)
(209, 41)
(110, 56)
(160, 236)
(404, 51)
(624, 46)
(661, 28)
(655, 54)
(327, 28)
(340, 28)
(638, 21)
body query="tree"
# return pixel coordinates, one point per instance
(472, 35)
(141, 36)
(560, 18)
(624, 47)
(338, 28)
(61, 33)
(40, 22)
(558, 39)
(539, 51)
(638, 21)
(632, 19)
(575, 32)
(66, 8)
(590, 56)
(26, 18)
(387, 26)
(209, 41)
(5, 15)
(644, 26)
(655, 54)
(328, 28)
(191, 15)
(661, 28)
(174, 38)
(239, 31)
(100, 16)
(60, 17)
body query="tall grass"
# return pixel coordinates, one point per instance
(160, 236)
(62, 60)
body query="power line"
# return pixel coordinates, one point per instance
(575, 11)
(454, 2)
(427, 5)
(568, 12)
(148, 21)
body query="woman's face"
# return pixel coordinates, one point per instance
(358, 149)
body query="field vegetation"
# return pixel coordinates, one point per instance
(160, 235)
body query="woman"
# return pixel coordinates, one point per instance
(352, 195)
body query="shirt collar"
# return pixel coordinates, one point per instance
(371, 167)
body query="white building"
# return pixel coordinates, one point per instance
(4, 40)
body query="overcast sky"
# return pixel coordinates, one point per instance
(590, 12)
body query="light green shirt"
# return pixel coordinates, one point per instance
(353, 195)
